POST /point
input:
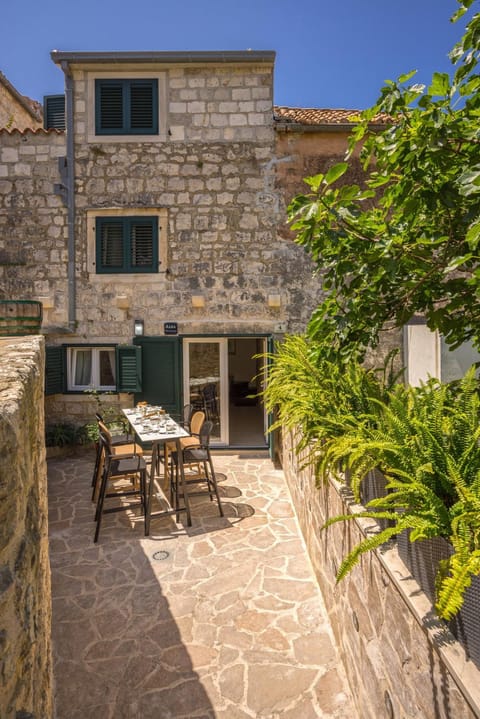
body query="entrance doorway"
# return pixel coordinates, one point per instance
(222, 376)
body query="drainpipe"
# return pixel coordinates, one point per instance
(70, 182)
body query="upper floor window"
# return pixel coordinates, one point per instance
(126, 107)
(126, 244)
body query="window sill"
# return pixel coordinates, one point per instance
(122, 139)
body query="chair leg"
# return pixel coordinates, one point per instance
(101, 497)
(181, 482)
(213, 480)
(97, 462)
(148, 500)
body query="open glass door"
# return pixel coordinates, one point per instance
(205, 382)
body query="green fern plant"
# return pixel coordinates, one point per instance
(322, 398)
(426, 441)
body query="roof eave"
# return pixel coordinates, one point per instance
(322, 127)
(173, 57)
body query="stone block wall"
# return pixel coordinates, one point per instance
(25, 604)
(401, 661)
(13, 108)
(213, 176)
(33, 221)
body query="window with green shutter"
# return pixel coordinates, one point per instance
(54, 112)
(126, 107)
(79, 368)
(126, 244)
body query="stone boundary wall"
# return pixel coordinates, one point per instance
(33, 221)
(401, 661)
(25, 598)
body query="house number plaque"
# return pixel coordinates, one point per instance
(170, 328)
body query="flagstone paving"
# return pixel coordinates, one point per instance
(222, 620)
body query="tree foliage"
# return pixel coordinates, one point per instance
(406, 242)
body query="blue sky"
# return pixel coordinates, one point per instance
(329, 54)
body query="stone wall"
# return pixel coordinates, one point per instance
(12, 112)
(33, 221)
(214, 178)
(401, 661)
(25, 609)
(308, 153)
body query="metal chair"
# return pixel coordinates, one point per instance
(117, 439)
(117, 467)
(198, 460)
(197, 418)
(118, 447)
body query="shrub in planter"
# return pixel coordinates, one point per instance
(61, 434)
(426, 443)
(424, 440)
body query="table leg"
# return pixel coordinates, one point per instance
(181, 480)
(151, 482)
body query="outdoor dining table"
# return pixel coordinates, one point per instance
(153, 428)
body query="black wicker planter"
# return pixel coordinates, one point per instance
(422, 560)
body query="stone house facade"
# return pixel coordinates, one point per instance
(154, 231)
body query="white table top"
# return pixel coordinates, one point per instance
(149, 428)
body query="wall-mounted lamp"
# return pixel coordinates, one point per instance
(274, 300)
(198, 301)
(138, 328)
(122, 302)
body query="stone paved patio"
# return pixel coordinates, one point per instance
(222, 619)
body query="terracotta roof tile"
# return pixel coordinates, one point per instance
(319, 116)
(30, 130)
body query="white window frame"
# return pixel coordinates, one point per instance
(72, 353)
(161, 77)
(427, 356)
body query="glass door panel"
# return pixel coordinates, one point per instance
(205, 382)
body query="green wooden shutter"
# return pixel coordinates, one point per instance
(129, 368)
(110, 244)
(144, 107)
(126, 107)
(143, 244)
(54, 112)
(54, 370)
(109, 107)
(126, 244)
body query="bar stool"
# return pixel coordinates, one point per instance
(198, 458)
(116, 467)
(118, 447)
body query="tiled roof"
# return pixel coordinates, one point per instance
(319, 116)
(31, 130)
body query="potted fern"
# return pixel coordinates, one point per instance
(426, 443)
